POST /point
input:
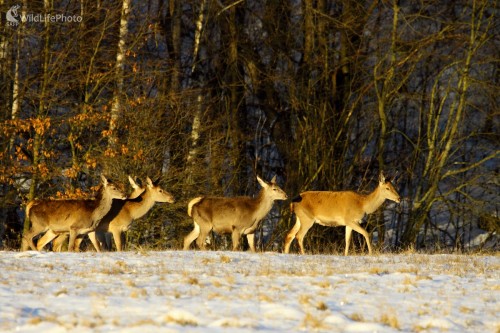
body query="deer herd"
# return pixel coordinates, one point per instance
(111, 212)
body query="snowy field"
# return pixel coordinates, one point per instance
(175, 291)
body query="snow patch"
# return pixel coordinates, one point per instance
(195, 291)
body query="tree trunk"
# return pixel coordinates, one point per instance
(16, 106)
(116, 106)
(196, 124)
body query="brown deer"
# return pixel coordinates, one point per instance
(335, 209)
(124, 212)
(74, 216)
(60, 239)
(236, 216)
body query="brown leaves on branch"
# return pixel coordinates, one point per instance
(13, 126)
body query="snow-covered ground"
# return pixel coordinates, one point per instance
(196, 291)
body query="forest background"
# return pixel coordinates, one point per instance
(208, 94)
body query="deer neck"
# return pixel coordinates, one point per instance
(141, 207)
(373, 201)
(103, 207)
(263, 205)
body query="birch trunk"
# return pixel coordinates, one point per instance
(195, 128)
(16, 84)
(116, 106)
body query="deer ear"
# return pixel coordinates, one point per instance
(133, 183)
(149, 182)
(261, 182)
(157, 181)
(273, 181)
(104, 180)
(381, 178)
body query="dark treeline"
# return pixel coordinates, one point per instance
(208, 94)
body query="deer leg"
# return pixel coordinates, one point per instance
(305, 225)
(200, 241)
(45, 239)
(78, 242)
(348, 233)
(31, 234)
(291, 234)
(108, 240)
(72, 238)
(58, 242)
(192, 236)
(93, 239)
(100, 238)
(356, 227)
(251, 242)
(117, 236)
(235, 237)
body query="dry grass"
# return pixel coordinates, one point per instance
(141, 250)
(305, 299)
(464, 309)
(378, 271)
(63, 291)
(181, 318)
(225, 259)
(35, 320)
(193, 281)
(410, 270)
(70, 323)
(130, 283)
(390, 320)
(263, 297)
(312, 322)
(230, 279)
(143, 322)
(324, 284)
(357, 317)
(137, 293)
(321, 306)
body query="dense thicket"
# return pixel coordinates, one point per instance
(209, 94)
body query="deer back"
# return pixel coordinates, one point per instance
(60, 215)
(344, 206)
(240, 212)
(223, 212)
(329, 205)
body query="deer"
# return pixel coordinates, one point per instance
(237, 216)
(335, 209)
(124, 212)
(77, 217)
(58, 240)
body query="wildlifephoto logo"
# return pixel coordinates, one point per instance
(14, 17)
